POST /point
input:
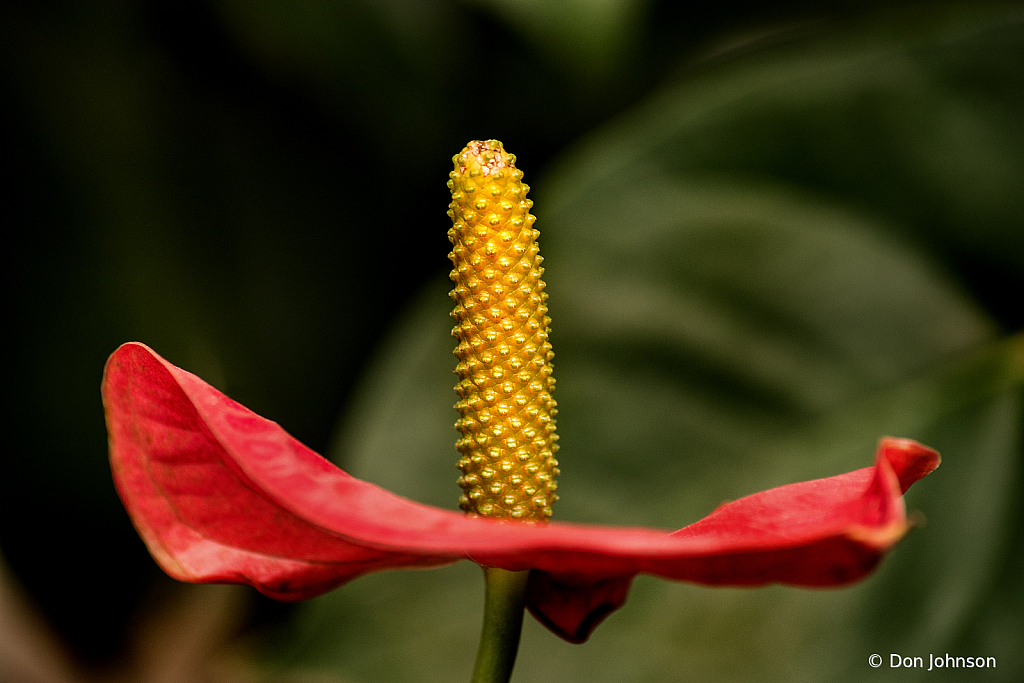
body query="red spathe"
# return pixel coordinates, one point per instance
(220, 494)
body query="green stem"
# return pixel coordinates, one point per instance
(505, 595)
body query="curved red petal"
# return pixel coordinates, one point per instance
(201, 517)
(221, 494)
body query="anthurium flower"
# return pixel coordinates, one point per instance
(220, 494)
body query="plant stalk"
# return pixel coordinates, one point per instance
(504, 598)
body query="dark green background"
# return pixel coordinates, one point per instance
(772, 235)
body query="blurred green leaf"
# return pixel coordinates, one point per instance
(585, 37)
(911, 118)
(741, 299)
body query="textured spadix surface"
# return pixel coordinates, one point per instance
(501, 325)
(220, 494)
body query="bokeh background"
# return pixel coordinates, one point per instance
(773, 233)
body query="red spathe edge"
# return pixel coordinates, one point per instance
(220, 494)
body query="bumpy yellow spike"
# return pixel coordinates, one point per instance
(501, 324)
